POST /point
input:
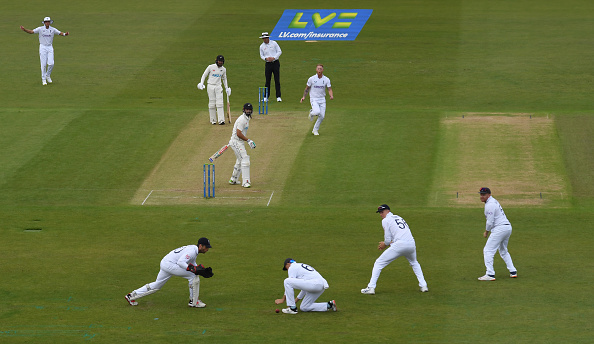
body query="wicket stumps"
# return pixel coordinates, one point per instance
(262, 100)
(207, 179)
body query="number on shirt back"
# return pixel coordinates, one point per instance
(307, 267)
(179, 249)
(401, 223)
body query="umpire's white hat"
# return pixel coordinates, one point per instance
(265, 35)
(48, 19)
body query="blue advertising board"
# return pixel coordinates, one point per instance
(320, 25)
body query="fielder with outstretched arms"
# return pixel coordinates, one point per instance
(238, 137)
(179, 262)
(312, 286)
(46, 49)
(215, 73)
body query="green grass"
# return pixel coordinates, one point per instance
(74, 154)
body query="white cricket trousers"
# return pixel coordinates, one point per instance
(46, 58)
(215, 103)
(318, 108)
(242, 161)
(168, 269)
(498, 240)
(407, 249)
(310, 291)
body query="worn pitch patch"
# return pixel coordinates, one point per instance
(516, 155)
(177, 178)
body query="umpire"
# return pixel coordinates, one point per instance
(270, 52)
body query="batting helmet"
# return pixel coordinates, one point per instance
(220, 58)
(248, 106)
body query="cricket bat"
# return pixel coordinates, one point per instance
(228, 110)
(219, 153)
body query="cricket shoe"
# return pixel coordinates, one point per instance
(290, 310)
(43, 82)
(265, 100)
(487, 278)
(513, 274)
(200, 304)
(130, 301)
(424, 289)
(368, 291)
(49, 80)
(332, 306)
(232, 182)
(278, 99)
(222, 123)
(315, 132)
(247, 185)
(213, 123)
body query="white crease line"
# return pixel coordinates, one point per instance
(270, 198)
(149, 195)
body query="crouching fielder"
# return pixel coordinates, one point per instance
(238, 137)
(180, 262)
(311, 284)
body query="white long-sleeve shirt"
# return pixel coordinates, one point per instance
(396, 229)
(306, 272)
(215, 74)
(494, 214)
(183, 256)
(272, 49)
(46, 36)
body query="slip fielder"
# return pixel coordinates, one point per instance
(498, 230)
(312, 286)
(46, 49)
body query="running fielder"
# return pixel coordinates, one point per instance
(311, 284)
(46, 49)
(215, 73)
(317, 97)
(179, 262)
(498, 230)
(238, 137)
(400, 242)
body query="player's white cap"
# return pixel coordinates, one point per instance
(265, 35)
(48, 19)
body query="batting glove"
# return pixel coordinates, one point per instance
(200, 86)
(228, 91)
(252, 144)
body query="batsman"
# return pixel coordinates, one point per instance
(238, 137)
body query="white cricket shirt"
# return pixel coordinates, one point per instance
(396, 229)
(318, 86)
(494, 214)
(242, 123)
(306, 272)
(46, 36)
(183, 256)
(215, 74)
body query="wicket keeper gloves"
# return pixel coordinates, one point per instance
(252, 144)
(200, 270)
